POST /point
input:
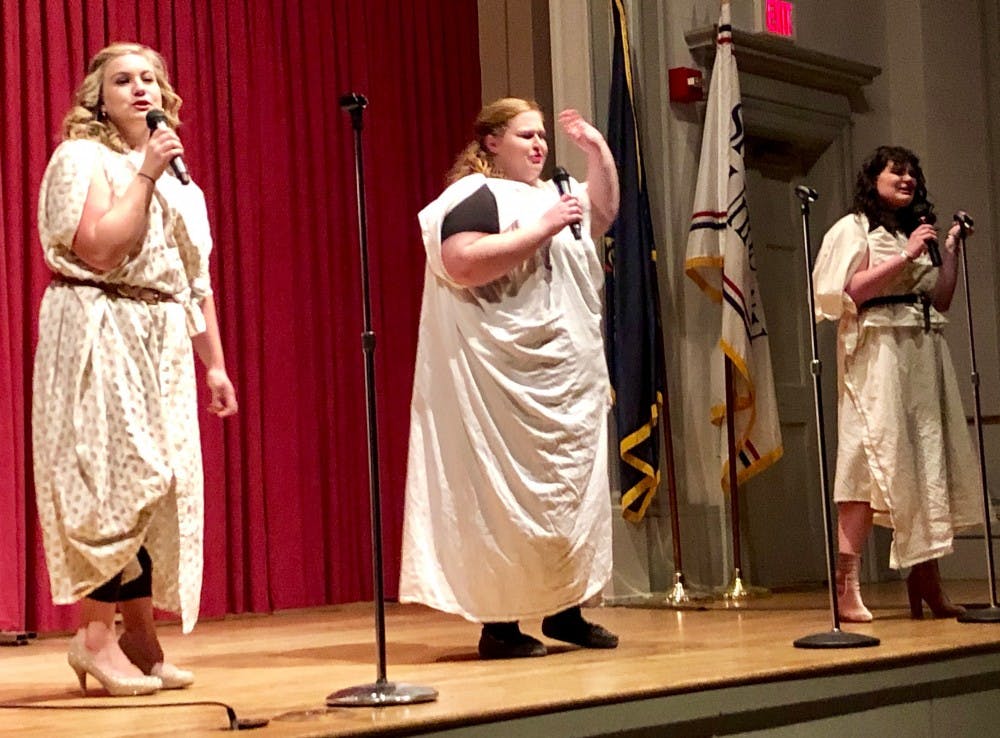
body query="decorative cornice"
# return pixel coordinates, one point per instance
(775, 58)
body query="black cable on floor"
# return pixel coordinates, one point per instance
(235, 723)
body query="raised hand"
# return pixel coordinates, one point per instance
(579, 131)
(602, 174)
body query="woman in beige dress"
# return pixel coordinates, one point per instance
(904, 453)
(117, 455)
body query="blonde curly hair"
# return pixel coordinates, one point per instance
(475, 158)
(86, 118)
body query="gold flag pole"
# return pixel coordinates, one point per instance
(737, 592)
(680, 594)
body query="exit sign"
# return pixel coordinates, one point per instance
(776, 17)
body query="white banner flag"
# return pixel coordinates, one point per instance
(720, 259)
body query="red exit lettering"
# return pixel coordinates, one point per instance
(778, 18)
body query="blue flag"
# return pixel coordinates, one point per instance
(634, 339)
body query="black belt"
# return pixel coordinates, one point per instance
(907, 299)
(148, 295)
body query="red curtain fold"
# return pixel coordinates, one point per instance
(287, 510)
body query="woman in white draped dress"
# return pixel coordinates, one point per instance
(507, 497)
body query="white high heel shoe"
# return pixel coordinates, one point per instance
(82, 661)
(137, 649)
(171, 676)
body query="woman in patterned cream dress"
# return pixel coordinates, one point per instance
(904, 453)
(117, 454)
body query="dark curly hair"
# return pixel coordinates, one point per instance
(868, 202)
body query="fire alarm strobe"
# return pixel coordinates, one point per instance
(686, 85)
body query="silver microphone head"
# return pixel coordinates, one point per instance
(353, 101)
(806, 194)
(963, 219)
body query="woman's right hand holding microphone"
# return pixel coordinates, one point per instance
(566, 211)
(163, 146)
(917, 243)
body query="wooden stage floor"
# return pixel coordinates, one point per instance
(280, 667)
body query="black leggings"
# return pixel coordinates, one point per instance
(142, 586)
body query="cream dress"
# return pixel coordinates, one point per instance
(508, 511)
(903, 442)
(117, 455)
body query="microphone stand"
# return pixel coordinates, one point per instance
(834, 638)
(382, 692)
(990, 613)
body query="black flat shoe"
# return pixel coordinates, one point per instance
(506, 641)
(569, 626)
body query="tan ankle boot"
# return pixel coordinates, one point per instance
(849, 603)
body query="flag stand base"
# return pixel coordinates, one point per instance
(682, 596)
(738, 591)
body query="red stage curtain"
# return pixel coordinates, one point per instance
(287, 513)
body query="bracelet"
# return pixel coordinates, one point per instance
(907, 255)
(143, 174)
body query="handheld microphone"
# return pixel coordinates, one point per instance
(924, 214)
(561, 177)
(156, 118)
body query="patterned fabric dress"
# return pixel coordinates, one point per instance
(508, 509)
(117, 455)
(903, 444)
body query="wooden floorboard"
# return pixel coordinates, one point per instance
(280, 667)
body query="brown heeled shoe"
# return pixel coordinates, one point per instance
(924, 585)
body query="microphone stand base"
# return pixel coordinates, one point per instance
(988, 614)
(381, 693)
(836, 639)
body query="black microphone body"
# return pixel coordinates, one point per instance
(934, 251)
(923, 212)
(561, 177)
(155, 119)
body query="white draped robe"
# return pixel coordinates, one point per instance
(508, 511)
